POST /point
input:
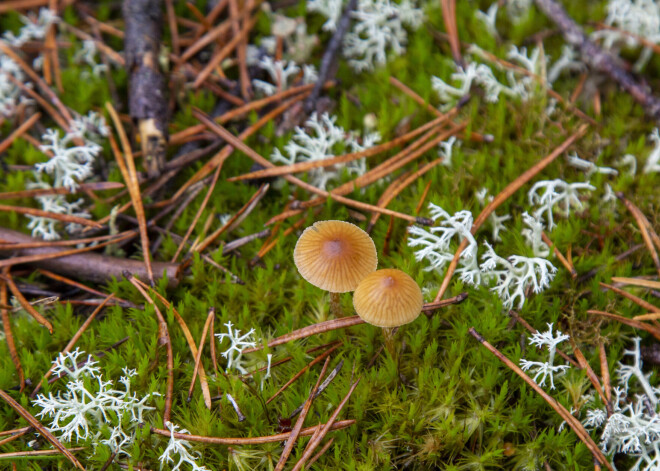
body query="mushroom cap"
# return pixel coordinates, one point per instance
(335, 255)
(388, 298)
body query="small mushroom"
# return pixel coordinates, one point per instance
(335, 256)
(388, 298)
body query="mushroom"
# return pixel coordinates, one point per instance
(388, 298)
(335, 256)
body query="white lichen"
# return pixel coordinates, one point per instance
(379, 27)
(238, 343)
(513, 276)
(551, 196)
(178, 452)
(588, 167)
(496, 222)
(322, 139)
(34, 28)
(534, 235)
(547, 369)
(91, 408)
(73, 156)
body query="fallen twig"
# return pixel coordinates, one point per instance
(91, 267)
(597, 58)
(146, 85)
(329, 59)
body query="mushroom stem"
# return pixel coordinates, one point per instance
(388, 334)
(335, 306)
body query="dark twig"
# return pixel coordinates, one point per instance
(147, 87)
(597, 58)
(328, 69)
(90, 267)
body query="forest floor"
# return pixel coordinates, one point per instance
(514, 177)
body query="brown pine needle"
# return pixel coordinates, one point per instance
(14, 436)
(83, 187)
(312, 164)
(198, 358)
(186, 333)
(240, 145)
(314, 329)
(217, 59)
(651, 316)
(644, 226)
(584, 365)
(11, 5)
(80, 286)
(19, 131)
(605, 372)
(637, 282)
(235, 219)
(415, 97)
(510, 189)
(320, 453)
(130, 176)
(316, 360)
(561, 410)
(291, 442)
(280, 437)
(43, 431)
(14, 455)
(318, 437)
(199, 212)
(639, 301)
(47, 214)
(52, 112)
(631, 322)
(4, 433)
(341, 323)
(304, 90)
(163, 339)
(9, 337)
(227, 150)
(43, 86)
(24, 302)
(204, 41)
(73, 341)
(564, 261)
(400, 184)
(174, 30)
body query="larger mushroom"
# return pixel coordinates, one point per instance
(335, 256)
(388, 298)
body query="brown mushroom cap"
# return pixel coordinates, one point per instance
(335, 255)
(388, 298)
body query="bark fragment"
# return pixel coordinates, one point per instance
(147, 100)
